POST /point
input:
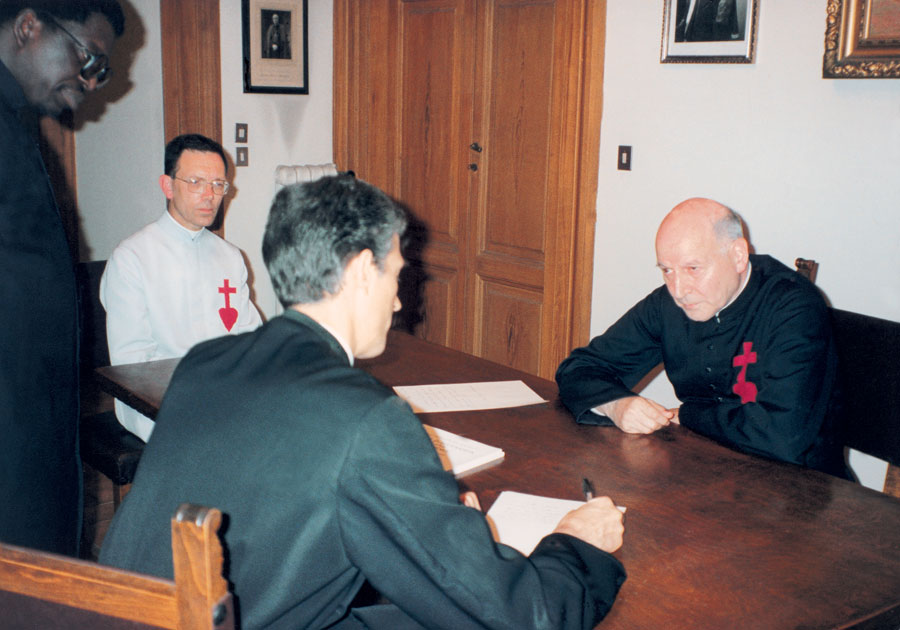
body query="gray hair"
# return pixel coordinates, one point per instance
(730, 227)
(315, 228)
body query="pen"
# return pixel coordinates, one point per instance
(587, 488)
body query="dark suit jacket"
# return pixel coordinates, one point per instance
(327, 480)
(40, 476)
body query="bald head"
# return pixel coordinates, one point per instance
(703, 255)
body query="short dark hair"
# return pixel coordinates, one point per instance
(189, 142)
(70, 10)
(315, 228)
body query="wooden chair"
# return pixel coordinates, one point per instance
(807, 268)
(110, 453)
(869, 377)
(45, 590)
(868, 351)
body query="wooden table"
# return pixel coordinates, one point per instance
(713, 538)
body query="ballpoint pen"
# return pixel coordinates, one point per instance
(587, 488)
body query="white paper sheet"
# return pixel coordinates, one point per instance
(522, 520)
(468, 396)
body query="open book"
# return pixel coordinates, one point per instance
(461, 455)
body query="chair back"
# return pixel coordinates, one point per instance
(807, 268)
(868, 351)
(45, 590)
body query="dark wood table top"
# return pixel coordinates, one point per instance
(713, 538)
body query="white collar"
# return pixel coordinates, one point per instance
(741, 290)
(192, 234)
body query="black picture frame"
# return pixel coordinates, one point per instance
(275, 45)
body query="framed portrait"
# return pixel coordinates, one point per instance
(275, 46)
(862, 39)
(709, 31)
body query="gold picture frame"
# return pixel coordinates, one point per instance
(862, 39)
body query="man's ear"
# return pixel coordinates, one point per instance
(167, 186)
(740, 254)
(359, 270)
(26, 27)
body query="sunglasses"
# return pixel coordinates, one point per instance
(93, 66)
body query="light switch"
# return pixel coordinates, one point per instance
(242, 156)
(624, 158)
(240, 132)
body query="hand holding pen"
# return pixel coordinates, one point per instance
(597, 522)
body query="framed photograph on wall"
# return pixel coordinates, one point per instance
(275, 46)
(862, 39)
(709, 31)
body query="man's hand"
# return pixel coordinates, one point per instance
(597, 522)
(636, 414)
(470, 499)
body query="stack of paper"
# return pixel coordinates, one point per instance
(461, 455)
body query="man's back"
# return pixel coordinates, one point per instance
(327, 479)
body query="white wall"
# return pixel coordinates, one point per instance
(119, 139)
(283, 129)
(810, 163)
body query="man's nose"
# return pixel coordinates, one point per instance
(89, 84)
(678, 286)
(397, 303)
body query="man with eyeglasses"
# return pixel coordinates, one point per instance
(174, 283)
(52, 53)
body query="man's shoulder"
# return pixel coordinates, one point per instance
(286, 356)
(220, 244)
(778, 280)
(135, 241)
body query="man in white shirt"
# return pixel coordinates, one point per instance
(174, 283)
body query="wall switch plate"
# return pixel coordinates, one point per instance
(242, 156)
(240, 132)
(624, 163)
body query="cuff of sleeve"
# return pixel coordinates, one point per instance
(603, 574)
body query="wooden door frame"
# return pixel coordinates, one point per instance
(191, 68)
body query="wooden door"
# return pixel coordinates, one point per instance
(472, 113)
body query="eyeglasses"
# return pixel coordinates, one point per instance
(94, 66)
(198, 185)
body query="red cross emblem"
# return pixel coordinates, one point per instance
(228, 314)
(744, 388)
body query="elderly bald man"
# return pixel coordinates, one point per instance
(746, 343)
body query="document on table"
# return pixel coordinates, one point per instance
(468, 396)
(522, 520)
(461, 455)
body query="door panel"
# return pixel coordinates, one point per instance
(510, 324)
(517, 127)
(435, 94)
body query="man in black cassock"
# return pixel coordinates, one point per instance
(51, 53)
